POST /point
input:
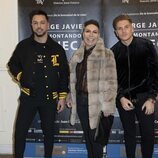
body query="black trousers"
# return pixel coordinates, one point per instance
(94, 150)
(27, 110)
(146, 124)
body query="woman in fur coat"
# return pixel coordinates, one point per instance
(93, 84)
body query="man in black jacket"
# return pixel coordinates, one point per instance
(40, 66)
(137, 70)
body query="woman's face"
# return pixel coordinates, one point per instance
(90, 35)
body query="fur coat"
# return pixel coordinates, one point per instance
(101, 81)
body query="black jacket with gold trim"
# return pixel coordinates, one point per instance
(22, 66)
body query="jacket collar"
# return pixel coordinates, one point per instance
(48, 42)
(79, 54)
(132, 42)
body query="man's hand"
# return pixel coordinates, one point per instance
(148, 106)
(61, 105)
(126, 104)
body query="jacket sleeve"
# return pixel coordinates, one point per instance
(120, 89)
(111, 78)
(64, 75)
(14, 64)
(153, 74)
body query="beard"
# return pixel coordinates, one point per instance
(40, 34)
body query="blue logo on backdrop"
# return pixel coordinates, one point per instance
(61, 150)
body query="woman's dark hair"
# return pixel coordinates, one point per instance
(37, 12)
(89, 22)
(119, 18)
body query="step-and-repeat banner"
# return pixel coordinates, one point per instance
(66, 22)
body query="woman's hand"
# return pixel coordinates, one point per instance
(69, 101)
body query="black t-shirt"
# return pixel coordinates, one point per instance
(39, 71)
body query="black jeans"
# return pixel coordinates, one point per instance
(27, 110)
(94, 150)
(146, 124)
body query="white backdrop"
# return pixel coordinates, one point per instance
(8, 89)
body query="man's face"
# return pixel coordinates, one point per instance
(39, 25)
(124, 31)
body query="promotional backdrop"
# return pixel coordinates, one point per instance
(66, 22)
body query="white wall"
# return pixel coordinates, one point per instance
(8, 89)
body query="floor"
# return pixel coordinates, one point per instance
(6, 156)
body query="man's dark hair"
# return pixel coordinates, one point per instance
(38, 12)
(89, 22)
(119, 18)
